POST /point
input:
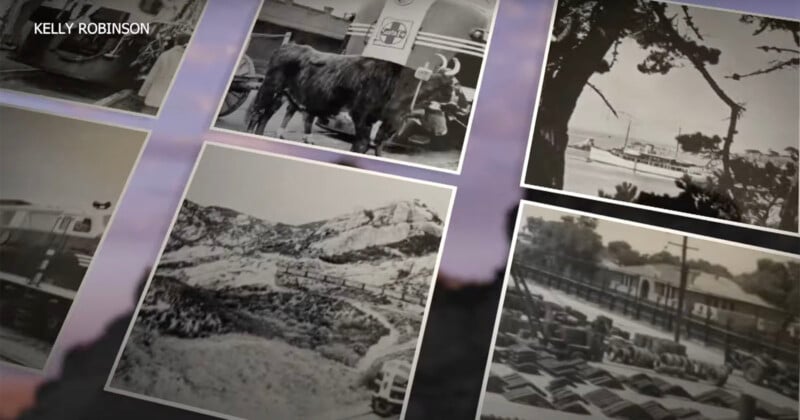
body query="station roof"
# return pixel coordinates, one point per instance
(699, 282)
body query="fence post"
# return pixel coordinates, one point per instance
(655, 312)
(727, 338)
(688, 323)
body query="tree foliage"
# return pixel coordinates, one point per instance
(776, 282)
(571, 237)
(760, 193)
(585, 39)
(781, 57)
(693, 199)
(699, 142)
(623, 254)
(764, 189)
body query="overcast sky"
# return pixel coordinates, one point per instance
(62, 162)
(661, 105)
(737, 259)
(289, 191)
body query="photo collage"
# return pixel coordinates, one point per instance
(399, 209)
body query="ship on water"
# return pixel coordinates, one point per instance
(644, 158)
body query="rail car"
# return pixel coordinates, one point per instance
(44, 255)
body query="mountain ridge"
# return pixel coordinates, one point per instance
(397, 229)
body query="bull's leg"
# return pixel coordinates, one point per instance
(380, 139)
(291, 109)
(363, 127)
(308, 123)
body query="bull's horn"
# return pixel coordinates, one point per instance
(456, 68)
(444, 61)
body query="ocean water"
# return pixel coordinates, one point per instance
(610, 141)
(584, 177)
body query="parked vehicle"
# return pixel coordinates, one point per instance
(571, 342)
(391, 383)
(765, 371)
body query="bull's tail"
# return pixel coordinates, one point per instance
(269, 97)
(258, 113)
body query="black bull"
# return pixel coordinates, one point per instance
(324, 84)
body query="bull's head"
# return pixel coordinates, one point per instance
(435, 94)
(450, 72)
(436, 97)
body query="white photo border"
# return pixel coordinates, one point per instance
(98, 251)
(523, 204)
(93, 105)
(207, 144)
(524, 184)
(467, 134)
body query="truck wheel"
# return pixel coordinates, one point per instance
(382, 407)
(753, 372)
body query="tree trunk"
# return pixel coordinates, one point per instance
(686, 48)
(561, 90)
(789, 209)
(726, 180)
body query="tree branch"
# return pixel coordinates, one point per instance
(792, 62)
(767, 48)
(690, 22)
(603, 97)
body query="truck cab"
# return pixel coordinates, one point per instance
(391, 382)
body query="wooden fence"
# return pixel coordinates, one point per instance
(662, 315)
(404, 295)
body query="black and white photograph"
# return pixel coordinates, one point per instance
(394, 80)
(287, 289)
(124, 56)
(60, 181)
(606, 319)
(684, 109)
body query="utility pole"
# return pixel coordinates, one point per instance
(682, 291)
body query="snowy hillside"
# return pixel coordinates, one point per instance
(401, 230)
(308, 305)
(394, 226)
